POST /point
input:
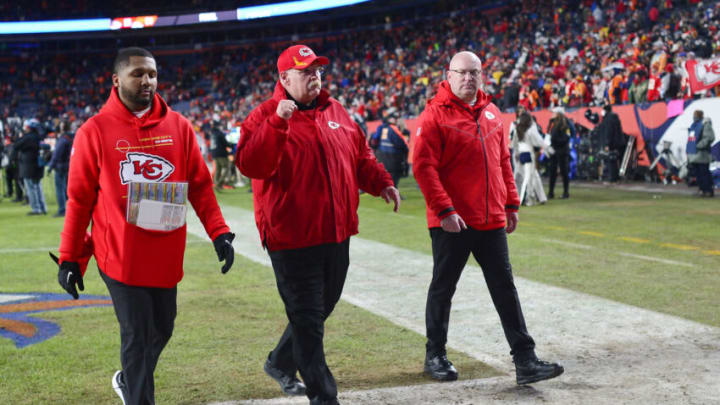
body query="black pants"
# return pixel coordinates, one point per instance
(450, 254)
(147, 317)
(561, 160)
(614, 165)
(310, 281)
(393, 165)
(704, 178)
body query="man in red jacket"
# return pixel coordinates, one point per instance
(307, 159)
(136, 140)
(462, 164)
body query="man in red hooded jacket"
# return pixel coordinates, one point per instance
(462, 164)
(308, 159)
(135, 138)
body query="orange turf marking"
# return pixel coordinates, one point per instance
(48, 305)
(19, 327)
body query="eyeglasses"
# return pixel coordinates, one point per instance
(311, 72)
(473, 73)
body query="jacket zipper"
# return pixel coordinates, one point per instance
(482, 142)
(487, 176)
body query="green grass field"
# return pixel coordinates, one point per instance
(227, 324)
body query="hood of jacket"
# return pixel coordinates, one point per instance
(115, 107)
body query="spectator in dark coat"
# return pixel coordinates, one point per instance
(610, 131)
(28, 148)
(60, 162)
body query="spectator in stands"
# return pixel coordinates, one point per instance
(560, 134)
(28, 150)
(470, 214)
(289, 145)
(700, 139)
(60, 163)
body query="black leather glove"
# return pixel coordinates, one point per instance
(224, 250)
(69, 276)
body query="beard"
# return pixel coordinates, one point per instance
(136, 97)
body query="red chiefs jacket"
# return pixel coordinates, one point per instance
(113, 148)
(461, 161)
(306, 173)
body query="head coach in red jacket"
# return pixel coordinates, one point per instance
(136, 138)
(462, 164)
(308, 159)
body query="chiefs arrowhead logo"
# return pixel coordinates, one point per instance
(143, 168)
(305, 52)
(333, 125)
(489, 115)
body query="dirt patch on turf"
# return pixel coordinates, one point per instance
(706, 212)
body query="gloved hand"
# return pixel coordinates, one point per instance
(224, 250)
(69, 275)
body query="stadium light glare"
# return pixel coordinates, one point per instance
(43, 27)
(147, 21)
(291, 7)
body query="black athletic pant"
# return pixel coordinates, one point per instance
(147, 317)
(450, 254)
(704, 177)
(561, 160)
(310, 281)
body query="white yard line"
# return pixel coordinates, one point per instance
(624, 254)
(613, 353)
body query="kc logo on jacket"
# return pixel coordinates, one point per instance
(143, 167)
(333, 125)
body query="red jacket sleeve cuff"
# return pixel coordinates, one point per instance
(446, 212)
(512, 208)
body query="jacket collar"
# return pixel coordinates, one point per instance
(281, 94)
(115, 107)
(446, 97)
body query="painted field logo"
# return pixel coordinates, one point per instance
(17, 324)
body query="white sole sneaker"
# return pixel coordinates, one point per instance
(117, 387)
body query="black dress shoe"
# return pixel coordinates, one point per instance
(534, 370)
(565, 195)
(289, 383)
(440, 368)
(318, 401)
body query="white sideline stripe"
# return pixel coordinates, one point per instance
(625, 254)
(613, 353)
(13, 297)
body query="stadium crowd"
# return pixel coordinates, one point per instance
(554, 53)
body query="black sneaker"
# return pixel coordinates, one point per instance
(118, 385)
(534, 370)
(289, 383)
(440, 368)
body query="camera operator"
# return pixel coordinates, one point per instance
(610, 131)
